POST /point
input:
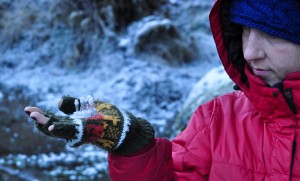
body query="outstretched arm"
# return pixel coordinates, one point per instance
(139, 156)
(110, 128)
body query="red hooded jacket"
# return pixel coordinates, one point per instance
(252, 134)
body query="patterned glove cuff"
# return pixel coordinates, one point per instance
(126, 126)
(140, 135)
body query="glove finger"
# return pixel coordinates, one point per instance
(30, 109)
(67, 131)
(66, 105)
(40, 118)
(44, 128)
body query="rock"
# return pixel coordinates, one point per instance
(194, 25)
(154, 36)
(205, 90)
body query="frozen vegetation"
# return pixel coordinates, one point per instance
(159, 66)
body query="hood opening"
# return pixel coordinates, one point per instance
(232, 35)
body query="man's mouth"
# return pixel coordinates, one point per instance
(259, 69)
(260, 72)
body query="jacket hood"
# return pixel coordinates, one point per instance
(228, 40)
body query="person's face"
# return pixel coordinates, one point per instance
(269, 57)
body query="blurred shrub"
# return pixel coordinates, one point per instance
(103, 16)
(126, 11)
(70, 32)
(14, 18)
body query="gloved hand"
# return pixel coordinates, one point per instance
(110, 128)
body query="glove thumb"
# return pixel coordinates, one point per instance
(66, 105)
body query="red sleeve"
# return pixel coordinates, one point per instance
(192, 148)
(154, 164)
(187, 157)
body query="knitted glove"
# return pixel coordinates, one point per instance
(106, 126)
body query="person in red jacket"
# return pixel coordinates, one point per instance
(250, 134)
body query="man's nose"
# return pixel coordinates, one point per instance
(253, 46)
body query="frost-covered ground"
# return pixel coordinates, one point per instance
(85, 163)
(146, 85)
